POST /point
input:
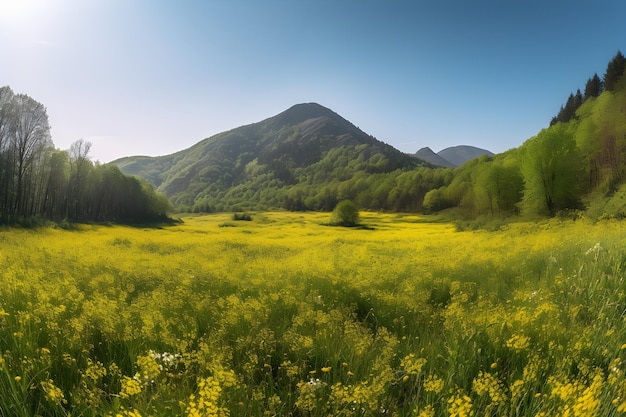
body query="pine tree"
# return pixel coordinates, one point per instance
(594, 87)
(614, 71)
(568, 112)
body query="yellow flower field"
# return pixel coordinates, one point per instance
(285, 316)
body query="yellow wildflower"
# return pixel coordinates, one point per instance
(433, 383)
(518, 342)
(130, 387)
(460, 406)
(52, 392)
(412, 365)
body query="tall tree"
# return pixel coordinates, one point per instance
(31, 137)
(497, 188)
(55, 201)
(594, 87)
(568, 112)
(80, 166)
(550, 169)
(614, 71)
(7, 122)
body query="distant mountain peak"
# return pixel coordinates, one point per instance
(451, 157)
(458, 155)
(428, 155)
(307, 142)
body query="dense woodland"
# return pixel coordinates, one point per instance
(39, 182)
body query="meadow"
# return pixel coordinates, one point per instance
(285, 316)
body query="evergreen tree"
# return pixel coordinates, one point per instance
(614, 71)
(594, 87)
(568, 112)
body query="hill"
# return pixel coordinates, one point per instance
(306, 144)
(458, 155)
(428, 155)
(451, 157)
(576, 165)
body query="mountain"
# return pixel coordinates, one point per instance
(428, 155)
(451, 157)
(306, 144)
(458, 155)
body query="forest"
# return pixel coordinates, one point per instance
(40, 183)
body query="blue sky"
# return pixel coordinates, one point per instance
(152, 77)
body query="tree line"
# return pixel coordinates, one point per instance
(40, 182)
(583, 151)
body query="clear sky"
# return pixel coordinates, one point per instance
(151, 77)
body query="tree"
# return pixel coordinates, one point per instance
(55, 200)
(614, 71)
(345, 214)
(31, 136)
(80, 166)
(568, 112)
(550, 168)
(594, 87)
(38, 181)
(7, 121)
(497, 188)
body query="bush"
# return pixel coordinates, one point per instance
(345, 214)
(242, 216)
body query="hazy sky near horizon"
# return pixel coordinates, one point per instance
(152, 77)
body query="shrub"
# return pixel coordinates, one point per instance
(242, 216)
(345, 214)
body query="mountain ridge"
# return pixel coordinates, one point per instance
(307, 142)
(428, 155)
(458, 155)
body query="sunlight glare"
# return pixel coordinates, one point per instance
(19, 9)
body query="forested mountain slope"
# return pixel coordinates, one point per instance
(577, 163)
(256, 165)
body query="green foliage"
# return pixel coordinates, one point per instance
(582, 154)
(309, 158)
(345, 214)
(594, 87)
(39, 183)
(568, 112)
(306, 158)
(242, 216)
(551, 167)
(614, 71)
